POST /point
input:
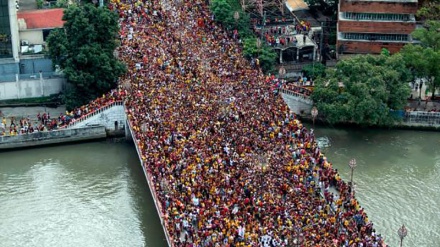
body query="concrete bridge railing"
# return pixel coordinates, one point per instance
(297, 102)
(150, 183)
(112, 116)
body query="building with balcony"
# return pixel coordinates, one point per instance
(367, 26)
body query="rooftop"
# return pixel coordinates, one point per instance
(294, 5)
(41, 18)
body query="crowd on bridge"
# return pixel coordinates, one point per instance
(230, 164)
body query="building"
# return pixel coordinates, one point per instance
(22, 41)
(33, 28)
(367, 26)
(25, 70)
(9, 38)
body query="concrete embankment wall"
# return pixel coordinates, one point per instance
(52, 137)
(148, 177)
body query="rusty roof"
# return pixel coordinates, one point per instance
(42, 18)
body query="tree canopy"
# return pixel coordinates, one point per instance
(224, 11)
(363, 90)
(265, 54)
(429, 10)
(84, 49)
(424, 59)
(314, 70)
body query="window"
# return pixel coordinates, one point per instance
(376, 16)
(5, 31)
(376, 36)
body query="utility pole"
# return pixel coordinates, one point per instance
(264, 25)
(321, 41)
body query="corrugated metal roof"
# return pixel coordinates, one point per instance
(294, 5)
(42, 18)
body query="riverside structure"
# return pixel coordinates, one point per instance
(227, 163)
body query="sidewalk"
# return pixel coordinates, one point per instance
(422, 105)
(31, 112)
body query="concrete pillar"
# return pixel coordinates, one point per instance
(128, 136)
(314, 53)
(14, 30)
(42, 84)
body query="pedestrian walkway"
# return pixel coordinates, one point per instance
(28, 113)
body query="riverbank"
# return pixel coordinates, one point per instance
(57, 137)
(397, 126)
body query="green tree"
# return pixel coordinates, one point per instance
(429, 10)
(84, 50)
(265, 54)
(429, 36)
(224, 11)
(362, 90)
(424, 59)
(314, 70)
(57, 41)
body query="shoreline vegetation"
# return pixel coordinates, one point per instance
(53, 100)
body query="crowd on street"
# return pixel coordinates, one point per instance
(230, 164)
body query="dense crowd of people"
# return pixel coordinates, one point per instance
(23, 125)
(230, 164)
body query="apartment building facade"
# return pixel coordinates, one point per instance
(367, 26)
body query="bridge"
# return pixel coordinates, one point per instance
(219, 151)
(210, 135)
(298, 102)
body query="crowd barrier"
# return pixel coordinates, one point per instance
(422, 117)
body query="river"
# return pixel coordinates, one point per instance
(397, 179)
(95, 194)
(91, 194)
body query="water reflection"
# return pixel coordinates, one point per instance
(396, 179)
(81, 195)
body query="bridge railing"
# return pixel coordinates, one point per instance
(422, 117)
(150, 183)
(76, 121)
(301, 96)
